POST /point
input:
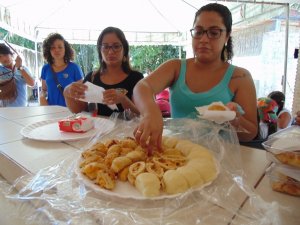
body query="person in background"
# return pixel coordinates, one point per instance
(59, 71)
(297, 119)
(17, 94)
(198, 81)
(283, 114)
(114, 74)
(267, 111)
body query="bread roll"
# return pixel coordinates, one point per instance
(199, 153)
(191, 175)
(205, 167)
(174, 182)
(169, 142)
(184, 146)
(148, 184)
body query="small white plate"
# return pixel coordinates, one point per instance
(48, 130)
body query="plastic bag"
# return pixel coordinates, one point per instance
(59, 194)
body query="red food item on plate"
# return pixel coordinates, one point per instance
(76, 124)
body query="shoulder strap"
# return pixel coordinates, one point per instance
(58, 85)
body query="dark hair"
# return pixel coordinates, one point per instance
(125, 63)
(279, 98)
(225, 13)
(48, 42)
(5, 50)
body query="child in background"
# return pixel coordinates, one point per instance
(283, 114)
(267, 109)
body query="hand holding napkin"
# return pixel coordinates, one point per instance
(94, 94)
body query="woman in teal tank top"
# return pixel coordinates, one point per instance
(198, 81)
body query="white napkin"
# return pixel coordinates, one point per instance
(94, 94)
(214, 115)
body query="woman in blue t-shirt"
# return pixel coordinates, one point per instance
(207, 77)
(59, 71)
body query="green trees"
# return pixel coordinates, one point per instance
(142, 58)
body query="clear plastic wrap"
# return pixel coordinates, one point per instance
(62, 197)
(284, 147)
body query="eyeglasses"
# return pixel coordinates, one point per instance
(114, 48)
(213, 33)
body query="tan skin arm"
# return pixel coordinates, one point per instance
(144, 93)
(283, 120)
(245, 96)
(28, 79)
(72, 93)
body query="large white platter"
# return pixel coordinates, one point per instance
(48, 130)
(126, 191)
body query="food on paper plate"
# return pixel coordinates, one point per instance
(172, 170)
(217, 107)
(217, 112)
(76, 124)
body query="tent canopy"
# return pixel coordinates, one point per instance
(152, 21)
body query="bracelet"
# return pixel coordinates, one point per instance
(44, 93)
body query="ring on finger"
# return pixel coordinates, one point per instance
(138, 131)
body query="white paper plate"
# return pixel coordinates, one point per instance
(124, 190)
(48, 130)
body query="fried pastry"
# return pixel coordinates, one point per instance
(114, 149)
(155, 169)
(92, 158)
(128, 143)
(104, 180)
(148, 184)
(290, 158)
(136, 168)
(109, 158)
(119, 163)
(111, 142)
(91, 169)
(122, 175)
(165, 163)
(136, 155)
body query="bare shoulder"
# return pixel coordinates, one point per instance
(174, 63)
(241, 73)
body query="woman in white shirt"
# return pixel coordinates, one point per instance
(283, 114)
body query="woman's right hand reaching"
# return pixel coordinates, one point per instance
(149, 131)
